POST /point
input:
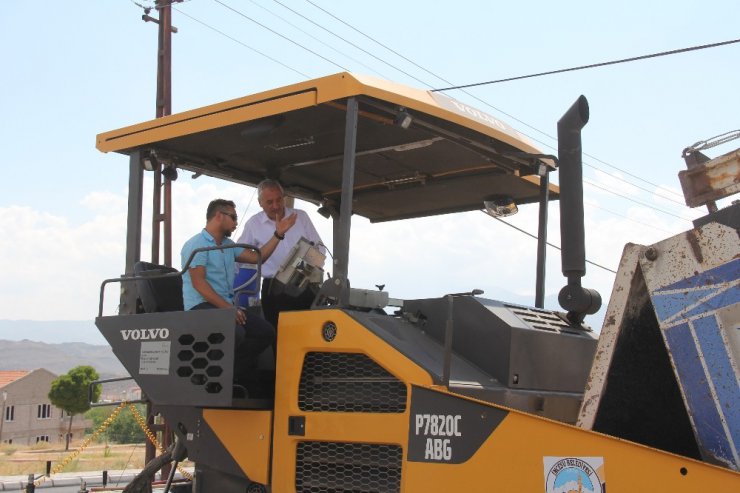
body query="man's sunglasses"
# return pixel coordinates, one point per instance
(231, 215)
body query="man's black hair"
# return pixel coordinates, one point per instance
(217, 205)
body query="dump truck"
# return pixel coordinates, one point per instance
(452, 393)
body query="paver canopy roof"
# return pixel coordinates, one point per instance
(449, 158)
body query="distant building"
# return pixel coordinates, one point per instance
(27, 416)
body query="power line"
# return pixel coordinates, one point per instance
(378, 42)
(312, 36)
(475, 97)
(652, 226)
(549, 244)
(498, 109)
(633, 200)
(241, 43)
(594, 65)
(156, 6)
(271, 30)
(278, 34)
(351, 43)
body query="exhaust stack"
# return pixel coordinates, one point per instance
(576, 300)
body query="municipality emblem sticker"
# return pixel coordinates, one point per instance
(574, 475)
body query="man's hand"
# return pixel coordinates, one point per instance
(241, 316)
(284, 224)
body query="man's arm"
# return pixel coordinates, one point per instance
(282, 225)
(198, 278)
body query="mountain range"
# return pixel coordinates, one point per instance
(51, 331)
(27, 345)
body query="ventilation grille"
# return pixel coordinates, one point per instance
(329, 467)
(348, 382)
(200, 360)
(544, 320)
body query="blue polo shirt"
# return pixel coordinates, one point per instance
(219, 264)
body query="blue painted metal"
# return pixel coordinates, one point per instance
(722, 375)
(687, 313)
(707, 291)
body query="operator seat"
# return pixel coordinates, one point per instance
(160, 290)
(163, 294)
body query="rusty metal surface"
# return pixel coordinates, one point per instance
(622, 302)
(694, 286)
(713, 180)
(666, 368)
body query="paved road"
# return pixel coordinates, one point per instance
(71, 482)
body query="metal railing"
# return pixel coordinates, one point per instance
(184, 270)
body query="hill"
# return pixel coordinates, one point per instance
(58, 358)
(51, 331)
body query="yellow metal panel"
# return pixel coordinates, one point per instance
(513, 459)
(457, 112)
(309, 93)
(514, 456)
(300, 333)
(199, 121)
(246, 435)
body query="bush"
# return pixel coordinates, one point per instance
(8, 449)
(124, 429)
(41, 446)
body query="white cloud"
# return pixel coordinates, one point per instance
(104, 201)
(612, 182)
(53, 269)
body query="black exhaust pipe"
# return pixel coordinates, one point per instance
(576, 300)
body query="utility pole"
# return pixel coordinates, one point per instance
(162, 212)
(162, 209)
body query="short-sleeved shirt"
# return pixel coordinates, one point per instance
(219, 264)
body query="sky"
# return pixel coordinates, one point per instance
(74, 69)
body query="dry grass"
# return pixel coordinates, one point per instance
(22, 460)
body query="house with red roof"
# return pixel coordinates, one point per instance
(27, 415)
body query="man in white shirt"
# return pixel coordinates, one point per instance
(259, 229)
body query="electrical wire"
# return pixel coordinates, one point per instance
(155, 6)
(243, 44)
(651, 226)
(278, 34)
(351, 43)
(313, 37)
(497, 109)
(460, 87)
(595, 65)
(378, 42)
(548, 243)
(590, 183)
(246, 209)
(136, 445)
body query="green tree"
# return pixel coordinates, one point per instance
(125, 428)
(70, 392)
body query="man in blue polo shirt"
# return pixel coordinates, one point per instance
(209, 281)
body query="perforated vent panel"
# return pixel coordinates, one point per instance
(348, 382)
(329, 467)
(201, 361)
(543, 320)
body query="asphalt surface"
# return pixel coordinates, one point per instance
(74, 479)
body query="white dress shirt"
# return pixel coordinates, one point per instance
(260, 228)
